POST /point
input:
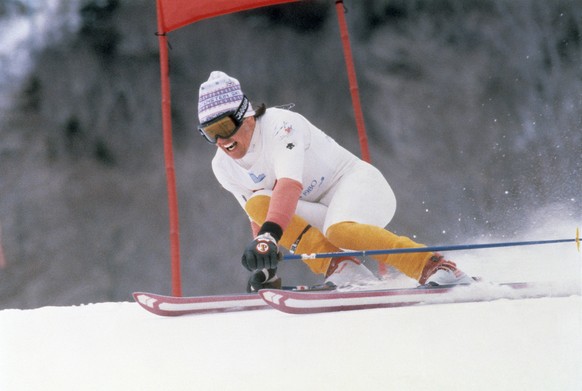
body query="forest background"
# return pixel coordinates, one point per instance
(472, 111)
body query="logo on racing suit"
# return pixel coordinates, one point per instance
(315, 184)
(284, 130)
(256, 178)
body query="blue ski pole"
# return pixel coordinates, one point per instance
(457, 247)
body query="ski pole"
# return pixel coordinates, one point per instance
(364, 253)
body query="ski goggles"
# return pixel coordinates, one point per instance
(225, 125)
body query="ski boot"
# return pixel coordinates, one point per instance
(343, 271)
(438, 272)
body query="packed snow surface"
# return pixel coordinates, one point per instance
(533, 344)
(522, 344)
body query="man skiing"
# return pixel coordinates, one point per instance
(304, 192)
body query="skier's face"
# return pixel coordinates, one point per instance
(237, 146)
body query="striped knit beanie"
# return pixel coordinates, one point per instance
(219, 94)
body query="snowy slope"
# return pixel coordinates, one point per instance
(531, 344)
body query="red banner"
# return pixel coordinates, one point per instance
(173, 14)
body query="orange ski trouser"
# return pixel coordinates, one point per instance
(306, 239)
(359, 237)
(298, 234)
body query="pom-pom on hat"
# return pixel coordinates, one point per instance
(219, 94)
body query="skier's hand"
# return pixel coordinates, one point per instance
(262, 253)
(263, 279)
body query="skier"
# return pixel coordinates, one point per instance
(304, 192)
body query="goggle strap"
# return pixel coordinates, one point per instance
(242, 109)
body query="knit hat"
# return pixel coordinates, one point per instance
(220, 94)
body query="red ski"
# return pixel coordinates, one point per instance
(331, 301)
(176, 306)
(305, 300)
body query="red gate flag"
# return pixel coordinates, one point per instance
(174, 14)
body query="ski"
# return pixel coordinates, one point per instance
(293, 302)
(176, 306)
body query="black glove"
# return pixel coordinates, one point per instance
(262, 253)
(262, 279)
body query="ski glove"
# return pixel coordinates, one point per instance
(263, 279)
(262, 253)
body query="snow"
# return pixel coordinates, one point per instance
(522, 344)
(533, 344)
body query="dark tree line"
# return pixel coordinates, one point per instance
(472, 109)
